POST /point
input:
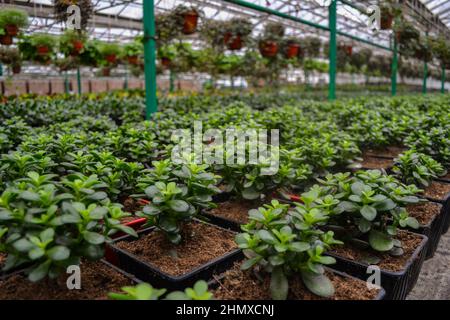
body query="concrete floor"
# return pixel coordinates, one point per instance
(434, 280)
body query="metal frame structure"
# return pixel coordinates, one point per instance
(123, 19)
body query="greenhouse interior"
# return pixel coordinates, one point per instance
(261, 150)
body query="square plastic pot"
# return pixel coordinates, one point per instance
(146, 272)
(396, 284)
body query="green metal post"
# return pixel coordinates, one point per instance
(125, 85)
(443, 80)
(149, 58)
(1, 70)
(171, 81)
(79, 80)
(332, 17)
(394, 68)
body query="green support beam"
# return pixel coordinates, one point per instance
(394, 67)
(443, 80)
(425, 76)
(172, 81)
(1, 70)
(151, 103)
(79, 81)
(332, 18)
(66, 83)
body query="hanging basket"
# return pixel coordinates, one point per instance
(190, 22)
(268, 49)
(386, 21)
(233, 43)
(12, 30)
(292, 50)
(6, 40)
(77, 45)
(42, 50)
(134, 60)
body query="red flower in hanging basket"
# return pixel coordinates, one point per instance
(134, 60)
(6, 40)
(233, 42)
(386, 21)
(292, 50)
(16, 69)
(268, 49)
(111, 58)
(190, 22)
(165, 62)
(11, 30)
(42, 50)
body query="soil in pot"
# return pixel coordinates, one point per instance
(134, 60)
(437, 190)
(42, 50)
(388, 152)
(2, 260)
(376, 163)
(201, 243)
(410, 242)
(244, 285)
(235, 210)
(97, 280)
(424, 212)
(446, 177)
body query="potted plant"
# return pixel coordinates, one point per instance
(270, 39)
(12, 20)
(291, 47)
(188, 16)
(61, 6)
(90, 55)
(167, 28)
(110, 52)
(236, 32)
(133, 51)
(167, 54)
(71, 43)
(43, 43)
(312, 46)
(389, 9)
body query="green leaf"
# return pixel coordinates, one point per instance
(93, 237)
(40, 272)
(368, 213)
(279, 286)
(380, 241)
(266, 236)
(250, 194)
(59, 253)
(412, 223)
(318, 284)
(179, 205)
(247, 264)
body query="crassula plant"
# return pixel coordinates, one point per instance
(49, 229)
(176, 194)
(285, 244)
(372, 204)
(413, 167)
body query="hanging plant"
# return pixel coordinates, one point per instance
(166, 54)
(167, 28)
(43, 43)
(312, 46)
(188, 18)
(440, 48)
(236, 33)
(405, 32)
(12, 20)
(38, 47)
(61, 14)
(110, 52)
(12, 58)
(133, 52)
(71, 43)
(16, 68)
(67, 63)
(270, 40)
(291, 48)
(389, 9)
(423, 52)
(90, 56)
(5, 39)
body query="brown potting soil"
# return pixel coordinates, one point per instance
(391, 151)
(244, 285)
(235, 210)
(2, 259)
(437, 190)
(97, 280)
(376, 163)
(131, 205)
(446, 177)
(424, 212)
(201, 243)
(410, 242)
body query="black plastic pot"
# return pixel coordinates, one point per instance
(149, 273)
(433, 231)
(396, 284)
(221, 222)
(445, 210)
(214, 283)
